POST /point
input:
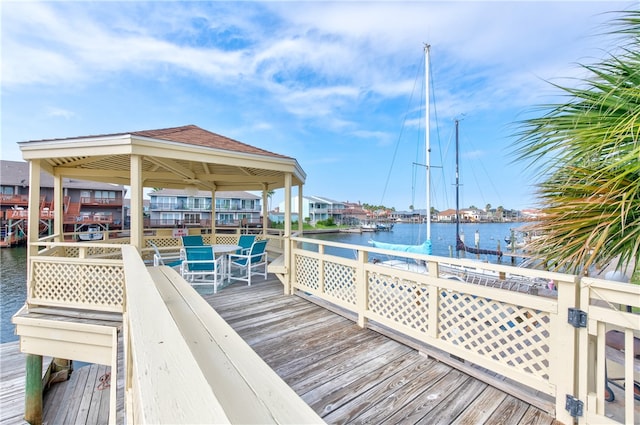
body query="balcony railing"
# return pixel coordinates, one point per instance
(14, 200)
(101, 202)
(89, 219)
(179, 206)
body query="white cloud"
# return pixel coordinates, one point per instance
(307, 77)
(60, 112)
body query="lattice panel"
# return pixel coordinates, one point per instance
(103, 252)
(513, 335)
(72, 251)
(399, 300)
(307, 272)
(340, 282)
(165, 242)
(90, 286)
(229, 239)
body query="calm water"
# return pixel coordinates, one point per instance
(443, 237)
(13, 287)
(14, 260)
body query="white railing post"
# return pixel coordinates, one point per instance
(362, 288)
(434, 298)
(564, 356)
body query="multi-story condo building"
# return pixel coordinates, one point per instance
(86, 204)
(315, 209)
(177, 208)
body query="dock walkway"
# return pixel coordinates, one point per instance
(83, 399)
(352, 375)
(345, 373)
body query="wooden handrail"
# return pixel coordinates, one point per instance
(184, 354)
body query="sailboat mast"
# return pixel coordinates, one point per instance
(427, 139)
(457, 185)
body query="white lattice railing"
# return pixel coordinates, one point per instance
(171, 243)
(77, 275)
(513, 334)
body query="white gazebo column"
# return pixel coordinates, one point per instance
(137, 220)
(300, 212)
(287, 232)
(213, 214)
(58, 208)
(33, 228)
(265, 208)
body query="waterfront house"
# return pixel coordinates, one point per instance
(182, 363)
(413, 216)
(86, 203)
(316, 208)
(178, 208)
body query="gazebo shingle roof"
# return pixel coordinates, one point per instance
(188, 134)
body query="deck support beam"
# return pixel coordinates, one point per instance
(33, 390)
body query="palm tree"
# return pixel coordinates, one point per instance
(270, 194)
(587, 153)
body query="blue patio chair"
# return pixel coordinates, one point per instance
(200, 266)
(168, 259)
(192, 240)
(250, 263)
(245, 242)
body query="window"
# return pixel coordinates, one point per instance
(223, 204)
(105, 194)
(225, 218)
(196, 203)
(192, 218)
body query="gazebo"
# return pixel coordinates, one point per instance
(77, 292)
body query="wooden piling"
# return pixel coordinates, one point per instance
(33, 390)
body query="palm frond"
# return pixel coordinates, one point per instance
(587, 155)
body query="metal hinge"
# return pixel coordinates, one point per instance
(574, 406)
(577, 318)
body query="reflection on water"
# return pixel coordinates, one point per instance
(13, 287)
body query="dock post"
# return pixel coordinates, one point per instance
(33, 390)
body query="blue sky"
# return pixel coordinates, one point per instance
(336, 85)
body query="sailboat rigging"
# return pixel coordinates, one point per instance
(460, 246)
(425, 247)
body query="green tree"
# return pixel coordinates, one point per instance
(270, 194)
(586, 152)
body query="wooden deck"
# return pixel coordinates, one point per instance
(12, 381)
(345, 373)
(353, 375)
(83, 399)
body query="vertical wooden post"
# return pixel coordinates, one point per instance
(288, 290)
(58, 208)
(362, 287)
(33, 390)
(137, 219)
(213, 215)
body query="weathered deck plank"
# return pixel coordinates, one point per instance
(353, 375)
